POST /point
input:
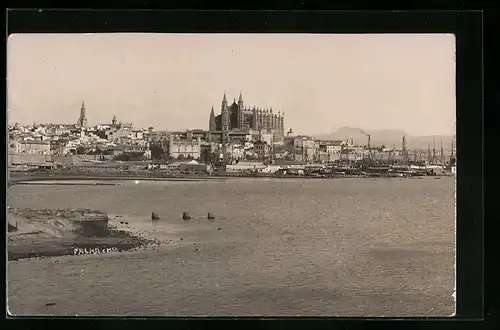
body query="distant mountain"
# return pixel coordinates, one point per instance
(387, 137)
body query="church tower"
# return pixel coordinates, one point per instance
(211, 122)
(82, 121)
(225, 123)
(224, 114)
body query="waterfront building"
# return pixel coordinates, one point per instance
(279, 151)
(14, 147)
(328, 150)
(322, 157)
(302, 147)
(245, 166)
(193, 167)
(157, 165)
(331, 146)
(271, 169)
(237, 151)
(33, 147)
(238, 116)
(29, 152)
(290, 164)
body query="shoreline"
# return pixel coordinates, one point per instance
(33, 177)
(26, 177)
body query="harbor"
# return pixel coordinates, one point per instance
(356, 240)
(242, 169)
(194, 175)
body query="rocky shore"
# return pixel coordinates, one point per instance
(34, 233)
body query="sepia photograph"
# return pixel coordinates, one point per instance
(156, 174)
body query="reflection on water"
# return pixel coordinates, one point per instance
(277, 247)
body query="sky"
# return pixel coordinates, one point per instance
(170, 81)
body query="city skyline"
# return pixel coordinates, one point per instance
(321, 82)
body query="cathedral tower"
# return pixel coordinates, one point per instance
(240, 115)
(255, 119)
(211, 122)
(225, 114)
(225, 123)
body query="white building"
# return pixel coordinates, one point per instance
(34, 147)
(245, 166)
(184, 147)
(271, 169)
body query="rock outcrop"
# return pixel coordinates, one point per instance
(43, 232)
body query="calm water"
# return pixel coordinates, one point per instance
(354, 247)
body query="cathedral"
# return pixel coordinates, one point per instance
(237, 117)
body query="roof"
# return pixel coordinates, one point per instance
(35, 142)
(331, 142)
(289, 162)
(279, 148)
(178, 163)
(250, 162)
(158, 161)
(247, 165)
(239, 131)
(103, 165)
(314, 165)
